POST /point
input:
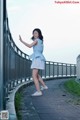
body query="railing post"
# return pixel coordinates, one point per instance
(20, 68)
(57, 69)
(24, 66)
(1, 54)
(62, 69)
(66, 69)
(70, 69)
(49, 69)
(53, 69)
(45, 69)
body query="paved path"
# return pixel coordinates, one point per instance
(55, 104)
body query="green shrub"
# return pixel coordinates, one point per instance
(73, 87)
(17, 105)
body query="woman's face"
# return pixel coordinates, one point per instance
(36, 34)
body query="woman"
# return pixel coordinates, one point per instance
(38, 60)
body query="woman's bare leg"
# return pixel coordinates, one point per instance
(41, 80)
(35, 79)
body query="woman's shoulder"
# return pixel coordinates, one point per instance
(41, 41)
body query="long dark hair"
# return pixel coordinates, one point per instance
(39, 32)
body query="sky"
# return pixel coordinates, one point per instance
(59, 23)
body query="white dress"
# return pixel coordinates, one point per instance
(38, 59)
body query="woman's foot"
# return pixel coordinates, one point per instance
(37, 93)
(44, 87)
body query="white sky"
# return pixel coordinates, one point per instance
(60, 25)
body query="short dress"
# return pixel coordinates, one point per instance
(38, 59)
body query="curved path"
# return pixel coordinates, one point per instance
(55, 104)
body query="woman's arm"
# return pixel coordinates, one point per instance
(28, 45)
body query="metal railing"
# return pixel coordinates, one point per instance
(16, 67)
(1, 54)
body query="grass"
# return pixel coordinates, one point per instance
(73, 87)
(17, 105)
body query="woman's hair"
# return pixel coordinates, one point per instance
(39, 32)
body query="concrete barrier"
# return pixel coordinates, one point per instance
(78, 67)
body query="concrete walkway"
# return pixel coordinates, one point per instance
(55, 104)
